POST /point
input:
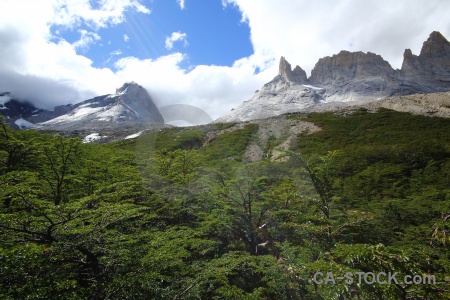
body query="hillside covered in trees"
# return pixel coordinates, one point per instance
(177, 215)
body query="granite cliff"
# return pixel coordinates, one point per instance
(349, 76)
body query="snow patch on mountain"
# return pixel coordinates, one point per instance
(24, 124)
(3, 100)
(92, 137)
(132, 136)
(313, 87)
(79, 113)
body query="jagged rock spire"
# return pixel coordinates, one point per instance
(435, 46)
(285, 70)
(431, 68)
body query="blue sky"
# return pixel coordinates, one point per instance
(214, 34)
(212, 54)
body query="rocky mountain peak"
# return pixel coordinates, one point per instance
(347, 66)
(285, 70)
(285, 67)
(131, 104)
(350, 76)
(136, 98)
(436, 46)
(300, 74)
(429, 71)
(129, 87)
(407, 54)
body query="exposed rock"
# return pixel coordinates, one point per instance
(130, 104)
(432, 104)
(284, 67)
(349, 76)
(297, 75)
(16, 111)
(275, 134)
(137, 99)
(347, 66)
(275, 98)
(62, 109)
(436, 46)
(430, 71)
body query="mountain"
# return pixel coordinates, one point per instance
(225, 210)
(22, 114)
(130, 104)
(128, 112)
(430, 70)
(349, 76)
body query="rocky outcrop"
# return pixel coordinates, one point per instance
(347, 66)
(297, 75)
(137, 99)
(287, 92)
(430, 70)
(350, 76)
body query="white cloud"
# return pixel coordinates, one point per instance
(304, 31)
(126, 38)
(215, 89)
(181, 3)
(116, 52)
(176, 37)
(35, 67)
(73, 12)
(86, 39)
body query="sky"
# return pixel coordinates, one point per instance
(212, 54)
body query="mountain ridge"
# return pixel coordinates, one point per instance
(349, 76)
(130, 104)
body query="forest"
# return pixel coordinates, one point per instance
(168, 215)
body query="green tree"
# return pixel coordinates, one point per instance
(58, 164)
(13, 151)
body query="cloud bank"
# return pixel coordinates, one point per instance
(304, 31)
(49, 71)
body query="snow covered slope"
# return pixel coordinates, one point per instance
(131, 103)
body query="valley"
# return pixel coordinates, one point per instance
(344, 172)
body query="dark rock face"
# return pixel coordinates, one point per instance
(13, 109)
(430, 70)
(436, 46)
(136, 98)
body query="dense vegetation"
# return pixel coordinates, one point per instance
(177, 215)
